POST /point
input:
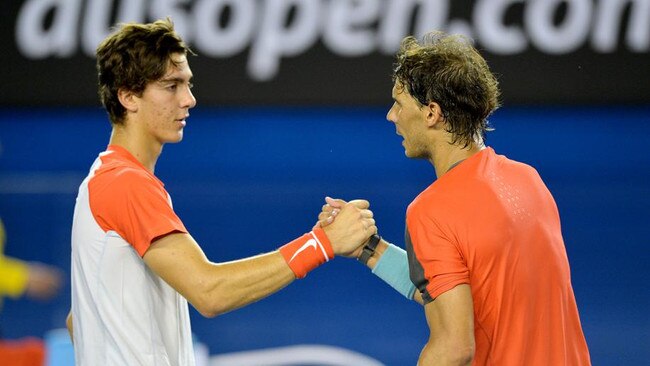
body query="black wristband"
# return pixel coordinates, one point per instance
(369, 249)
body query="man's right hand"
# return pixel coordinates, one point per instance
(351, 228)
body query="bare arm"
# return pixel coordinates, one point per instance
(215, 288)
(451, 324)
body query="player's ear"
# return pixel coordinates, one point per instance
(433, 114)
(128, 99)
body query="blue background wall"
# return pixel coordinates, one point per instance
(246, 180)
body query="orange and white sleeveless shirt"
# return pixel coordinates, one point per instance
(123, 313)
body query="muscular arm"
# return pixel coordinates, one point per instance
(451, 324)
(215, 288)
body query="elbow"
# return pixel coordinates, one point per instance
(213, 298)
(207, 309)
(447, 354)
(465, 357)
(462, 354)
(210, 306)
(207, 313)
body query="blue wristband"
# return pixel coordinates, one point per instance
(393, 268)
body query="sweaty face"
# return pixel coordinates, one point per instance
(409, 118)
(164, 104)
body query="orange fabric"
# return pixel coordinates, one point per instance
(23, 352)
(307, 252)
(128, 199)
(492, 223)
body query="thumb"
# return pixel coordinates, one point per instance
(335, 203)
(360, 204)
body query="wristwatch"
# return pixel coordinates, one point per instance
(369, 249)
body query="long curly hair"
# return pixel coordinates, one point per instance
(448, 70)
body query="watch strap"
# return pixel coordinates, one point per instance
(369, 249)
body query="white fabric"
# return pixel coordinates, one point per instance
(123, 313)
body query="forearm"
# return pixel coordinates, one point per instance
(238, 283)
(216, 288)
(254, 278)
(395, 271)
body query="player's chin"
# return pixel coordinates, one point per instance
(179, 136)
(175, 137)
(407, 151)
(411, 154)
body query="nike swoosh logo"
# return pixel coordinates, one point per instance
(308, 243)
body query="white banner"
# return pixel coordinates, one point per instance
(273, 30)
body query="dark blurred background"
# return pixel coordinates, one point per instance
(292, 97)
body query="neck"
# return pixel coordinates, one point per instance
(146, 152)
(446, 155)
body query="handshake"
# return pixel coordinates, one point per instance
(348, 225)
(342, 229)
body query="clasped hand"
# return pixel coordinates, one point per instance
(348, 225)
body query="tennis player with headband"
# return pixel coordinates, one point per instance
(484, 248)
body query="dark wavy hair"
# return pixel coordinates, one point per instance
(133, 56)
(448, 70)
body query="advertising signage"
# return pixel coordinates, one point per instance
(336, 51)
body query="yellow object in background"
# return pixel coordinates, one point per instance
(14, 273)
